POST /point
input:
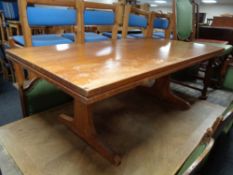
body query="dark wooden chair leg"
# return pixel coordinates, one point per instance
(207, 80)
(82, 125)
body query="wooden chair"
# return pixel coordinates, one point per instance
(36, 94)
(95, 14)
(162, 24)
(184, 29)
(31, 16)
(137, 18)
(11, 14)
(196, 159)
(2, 27)
(6, 67)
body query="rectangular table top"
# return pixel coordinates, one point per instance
(96, 68)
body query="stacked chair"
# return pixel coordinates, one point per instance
(184, 30)
(197, 159)
(10, 8)
(162, 24)
(38, 94)
(137, 18)
(2, 33)
(11, 17)
(95, 14)
(6, 67)
(134, 18)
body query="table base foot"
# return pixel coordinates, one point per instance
(82, 125)
(161, 89)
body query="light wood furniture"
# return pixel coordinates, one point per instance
(13, 25)
(133, 10)
(82, 5)
(26, 29)
(153, 138)
(222, 21)
(95, 71)
(2, 28)
(164, 16)
(188, 33)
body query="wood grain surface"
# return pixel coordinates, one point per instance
(99, 68)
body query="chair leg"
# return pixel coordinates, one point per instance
(4, 71)
(19, 74)
(207, 80)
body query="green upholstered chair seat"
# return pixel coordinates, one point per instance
(43, 95)
(192, 158)
(227, 48)
(228, 81)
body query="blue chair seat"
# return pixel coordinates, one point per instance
(136, 35)
(160, 35)
(156, 35)
(89, 37)
(119, 36)
(43, 40)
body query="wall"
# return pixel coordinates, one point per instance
(211, 10)
(216, 10)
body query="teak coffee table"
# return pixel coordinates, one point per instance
(95, 71)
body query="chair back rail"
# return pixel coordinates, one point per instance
(68, 3)
(134, 17)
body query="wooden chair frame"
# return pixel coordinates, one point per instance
(24, 84)
(208, 71)
(2, 30)
(26, 29)
(209, 141)
(129, 9)
(81, 6)
(169, 17)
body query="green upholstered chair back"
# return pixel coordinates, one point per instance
(184, 19)
(228, 80)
